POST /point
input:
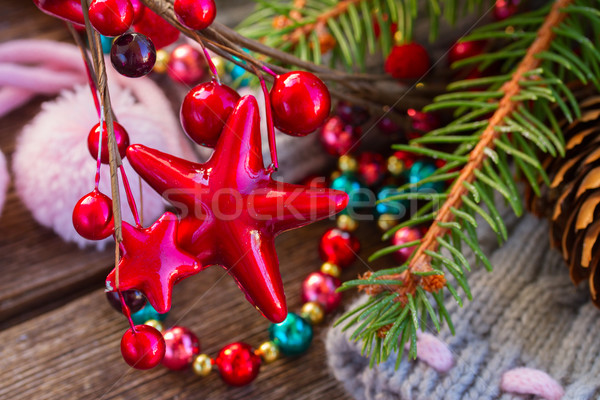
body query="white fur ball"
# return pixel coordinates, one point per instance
(52, 165)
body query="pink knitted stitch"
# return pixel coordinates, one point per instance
(433, 352)
(531, 381)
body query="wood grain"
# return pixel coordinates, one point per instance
(60, 339)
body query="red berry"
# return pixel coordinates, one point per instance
(121, 137)
(371, 168)
(338, 138)
(143, 349)
(205, 110)
(181, 347)
(300, 102)
(138, 10)
(195, 14)
(423, 121)
(186, 65)
(463, 50)
(321, 288)
(160, 32)
(405, 235)
(133, 55)
(237, 364)
(111, 17)
(504, 9)
(339, 247)
(407, 61)
(93, 216)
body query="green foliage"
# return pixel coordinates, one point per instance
(528, 131)
(351, 23)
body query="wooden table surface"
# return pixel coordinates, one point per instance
(59, 338)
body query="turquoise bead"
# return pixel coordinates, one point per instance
(236, 72)
(146, 313)
(394, 207)
(421, 170)
(106, 43)
(350, 184)
(293, 336)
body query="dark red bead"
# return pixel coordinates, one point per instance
(138, 10)
(134, 299)
(186, 65)
(339, 247)
(93, 216)
(159, 31)
(121, 137)
(463, 50)
(338, 138)
(504, 9)
(195, 14)
(371, 168)
(237, 364)
(143, 349)
(321, 288)
(111, 17)
(405, 235)
(204, 111)
(423, 121)
(407, 61)
(388, 126)
(377, 28)
(300, 102)
(181, 346)
(351, 114)
(133, 55)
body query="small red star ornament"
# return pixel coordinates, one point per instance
(152, 261)
(231, 209)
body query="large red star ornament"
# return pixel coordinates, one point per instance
(231, 209)
(152, 261)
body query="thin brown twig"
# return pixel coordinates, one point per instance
(421, 262)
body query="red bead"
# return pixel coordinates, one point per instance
(237, 364)
(407, 61)
(111, 17)
(204, 111)
(138, 10)
(339, 247)
(388, 126)
(133, 55)
(68, 10)
(504, 9)
(93, 216)
(338, 138)
(181, 347)
(121, 137)
(160, 32)
(143, 349)
(186, 65)
(405, 235)
(134, 299)
(463, 50)
(300, 101)
(377, 28)
(407, 158)
(195, 14)
(351, 114)
(423, 121)
(321, 288)
(371, 168)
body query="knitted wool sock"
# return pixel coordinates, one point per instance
(526, 313)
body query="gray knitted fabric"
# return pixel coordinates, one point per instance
(526, 313)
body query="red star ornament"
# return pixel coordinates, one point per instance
(153, 262)
(231, 209)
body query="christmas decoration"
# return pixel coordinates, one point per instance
(407, 61)
(93, 140)
(155, 28)
(186, 65)
(138, 10)
(195, 14)
(111, 17)
(143, 347)
(321, 288)
(339, 247)
(237, 363)
(403, 236)
(68, 10)
(93, 216)
(338, 138)
(133, 55)
(293, 335)
(205, 110)
(181, 346)
(134, 299)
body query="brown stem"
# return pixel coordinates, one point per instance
(421, 261)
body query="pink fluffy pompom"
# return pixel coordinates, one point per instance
(4, 179)
(52, 165)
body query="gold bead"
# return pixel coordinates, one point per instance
(313, 312)
(335, 174)
(398, 38)
(395, 165)
(331, 269)
(162, 59)
(387, 222)
(202, 365)
(155, 324)
(346, 223)
(219, 65)
(269, 351)
(347, 163)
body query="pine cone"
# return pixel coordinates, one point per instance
(572, 200)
